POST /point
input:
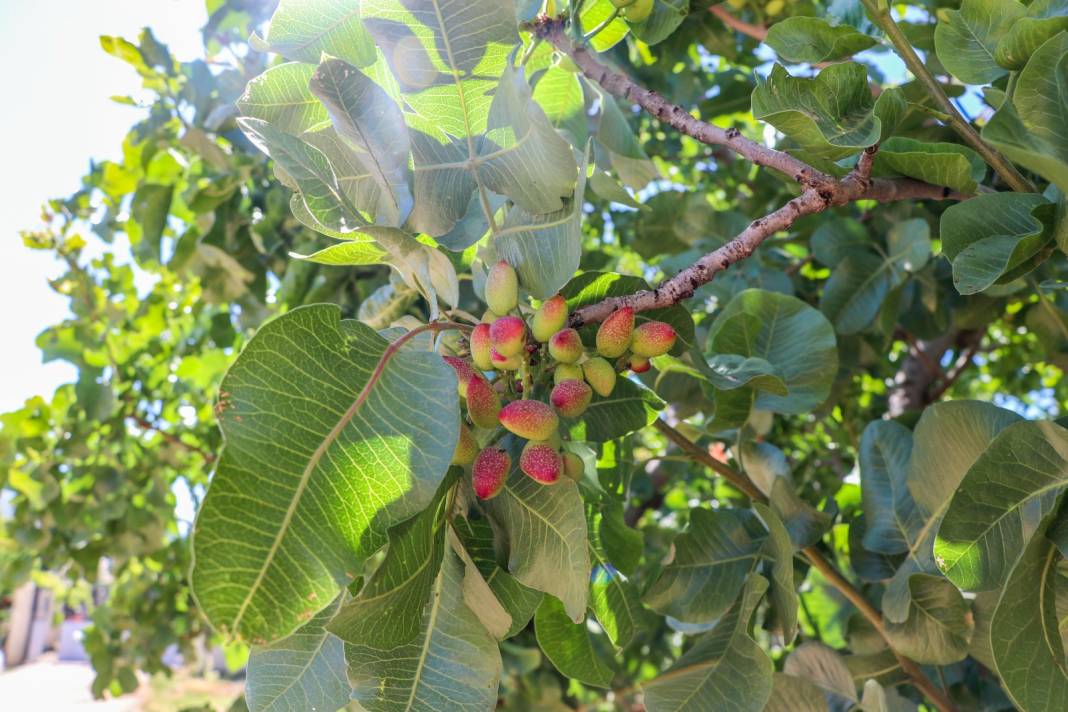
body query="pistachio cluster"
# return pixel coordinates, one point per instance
(527, 375)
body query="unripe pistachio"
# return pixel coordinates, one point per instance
(490, 471)
(481, 347)
(506, 363)
(550, 317)
(489, 316)
(638, 364)
(613, 336)
(621, 3)
(639, 10)
(566, 346)
(571, 398)
(573, 466)
(653, 338)
(463, 373)
(466, 447)
(540, 462)
(502, 288)
(508, 335)
(529, 419)
(600, 375)
(483, 403)
(567, 372)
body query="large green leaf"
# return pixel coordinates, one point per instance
(794, 694)
(855, 292)
(559, 94)
(614, 599)
(1030, 128)
(991, 238)
(304, 671)
(389, 607)
(1025, 634)
(546, 531)
(569, 645)
(454, 664)
(939, 624)
(789, 334)
(947, 164)
(999, 503)
(830, 115)
(967, 38)
(779, 548)
(814, 40)
(712, 561)
(306, 29)
(823, 667)
(890, 513)
(724, 670)
(310, 503)
(281, 97)
(1045, 18)
(629, 407)
(947, 441)
(369, 121)
(667, 15)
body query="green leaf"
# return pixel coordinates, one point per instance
(369, 121)
(304, 30)
(613, 540)
(303, 671)
(823, 667)
(1030, 128)
(725, 668)
(947, 441)
(559, 94)
(946, 164)
(729, 371)
(806, 524)
(569, 646)
(966, 39)
(879, 699)
(1025, 634)
(149, 208)
(1045, 18)
(629, 407)
(794, 694)
(276, 487)
(837, 238)
(711, 563)
(389, 607)
(518, 600)
(780, 550)
(667, 15)
(281, 97)
(890, 513)
(939, 625)
(856, 290)
(814, 40)
(454, 664)
(546, 531)
(614, 599)
(789, 334)
(991, 237)
(478, 595)
(830, 115)
(596, 12)
(999, 502)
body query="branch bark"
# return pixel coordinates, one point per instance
(818, 561)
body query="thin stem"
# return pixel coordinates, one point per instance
(880, 14)
(818, 561)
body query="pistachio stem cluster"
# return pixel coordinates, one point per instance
(532, 377)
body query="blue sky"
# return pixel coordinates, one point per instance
(57, 115)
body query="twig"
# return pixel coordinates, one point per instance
(917, 350)
(757, 32)
(959, 367)
(880, 15)
(818, 562)
(148, 425)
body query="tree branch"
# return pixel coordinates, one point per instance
(880, 15)
(818, 561)
(757, 32)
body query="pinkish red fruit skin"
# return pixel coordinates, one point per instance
(601, 376)
(505, 363)
(463, 372)
(613, 336)
(653, 338)
(481, 347)
(529, 419)
(541, 463)
(483, 403)
(508, 335)
(571, 398)
(490, 472)
(639, 364)
(566, 346)
(573, 466)
(502, 288)
(550, 317)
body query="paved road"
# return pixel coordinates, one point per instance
(48, 685)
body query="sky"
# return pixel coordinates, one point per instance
(57, 115)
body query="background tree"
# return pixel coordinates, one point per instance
(851, 428)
